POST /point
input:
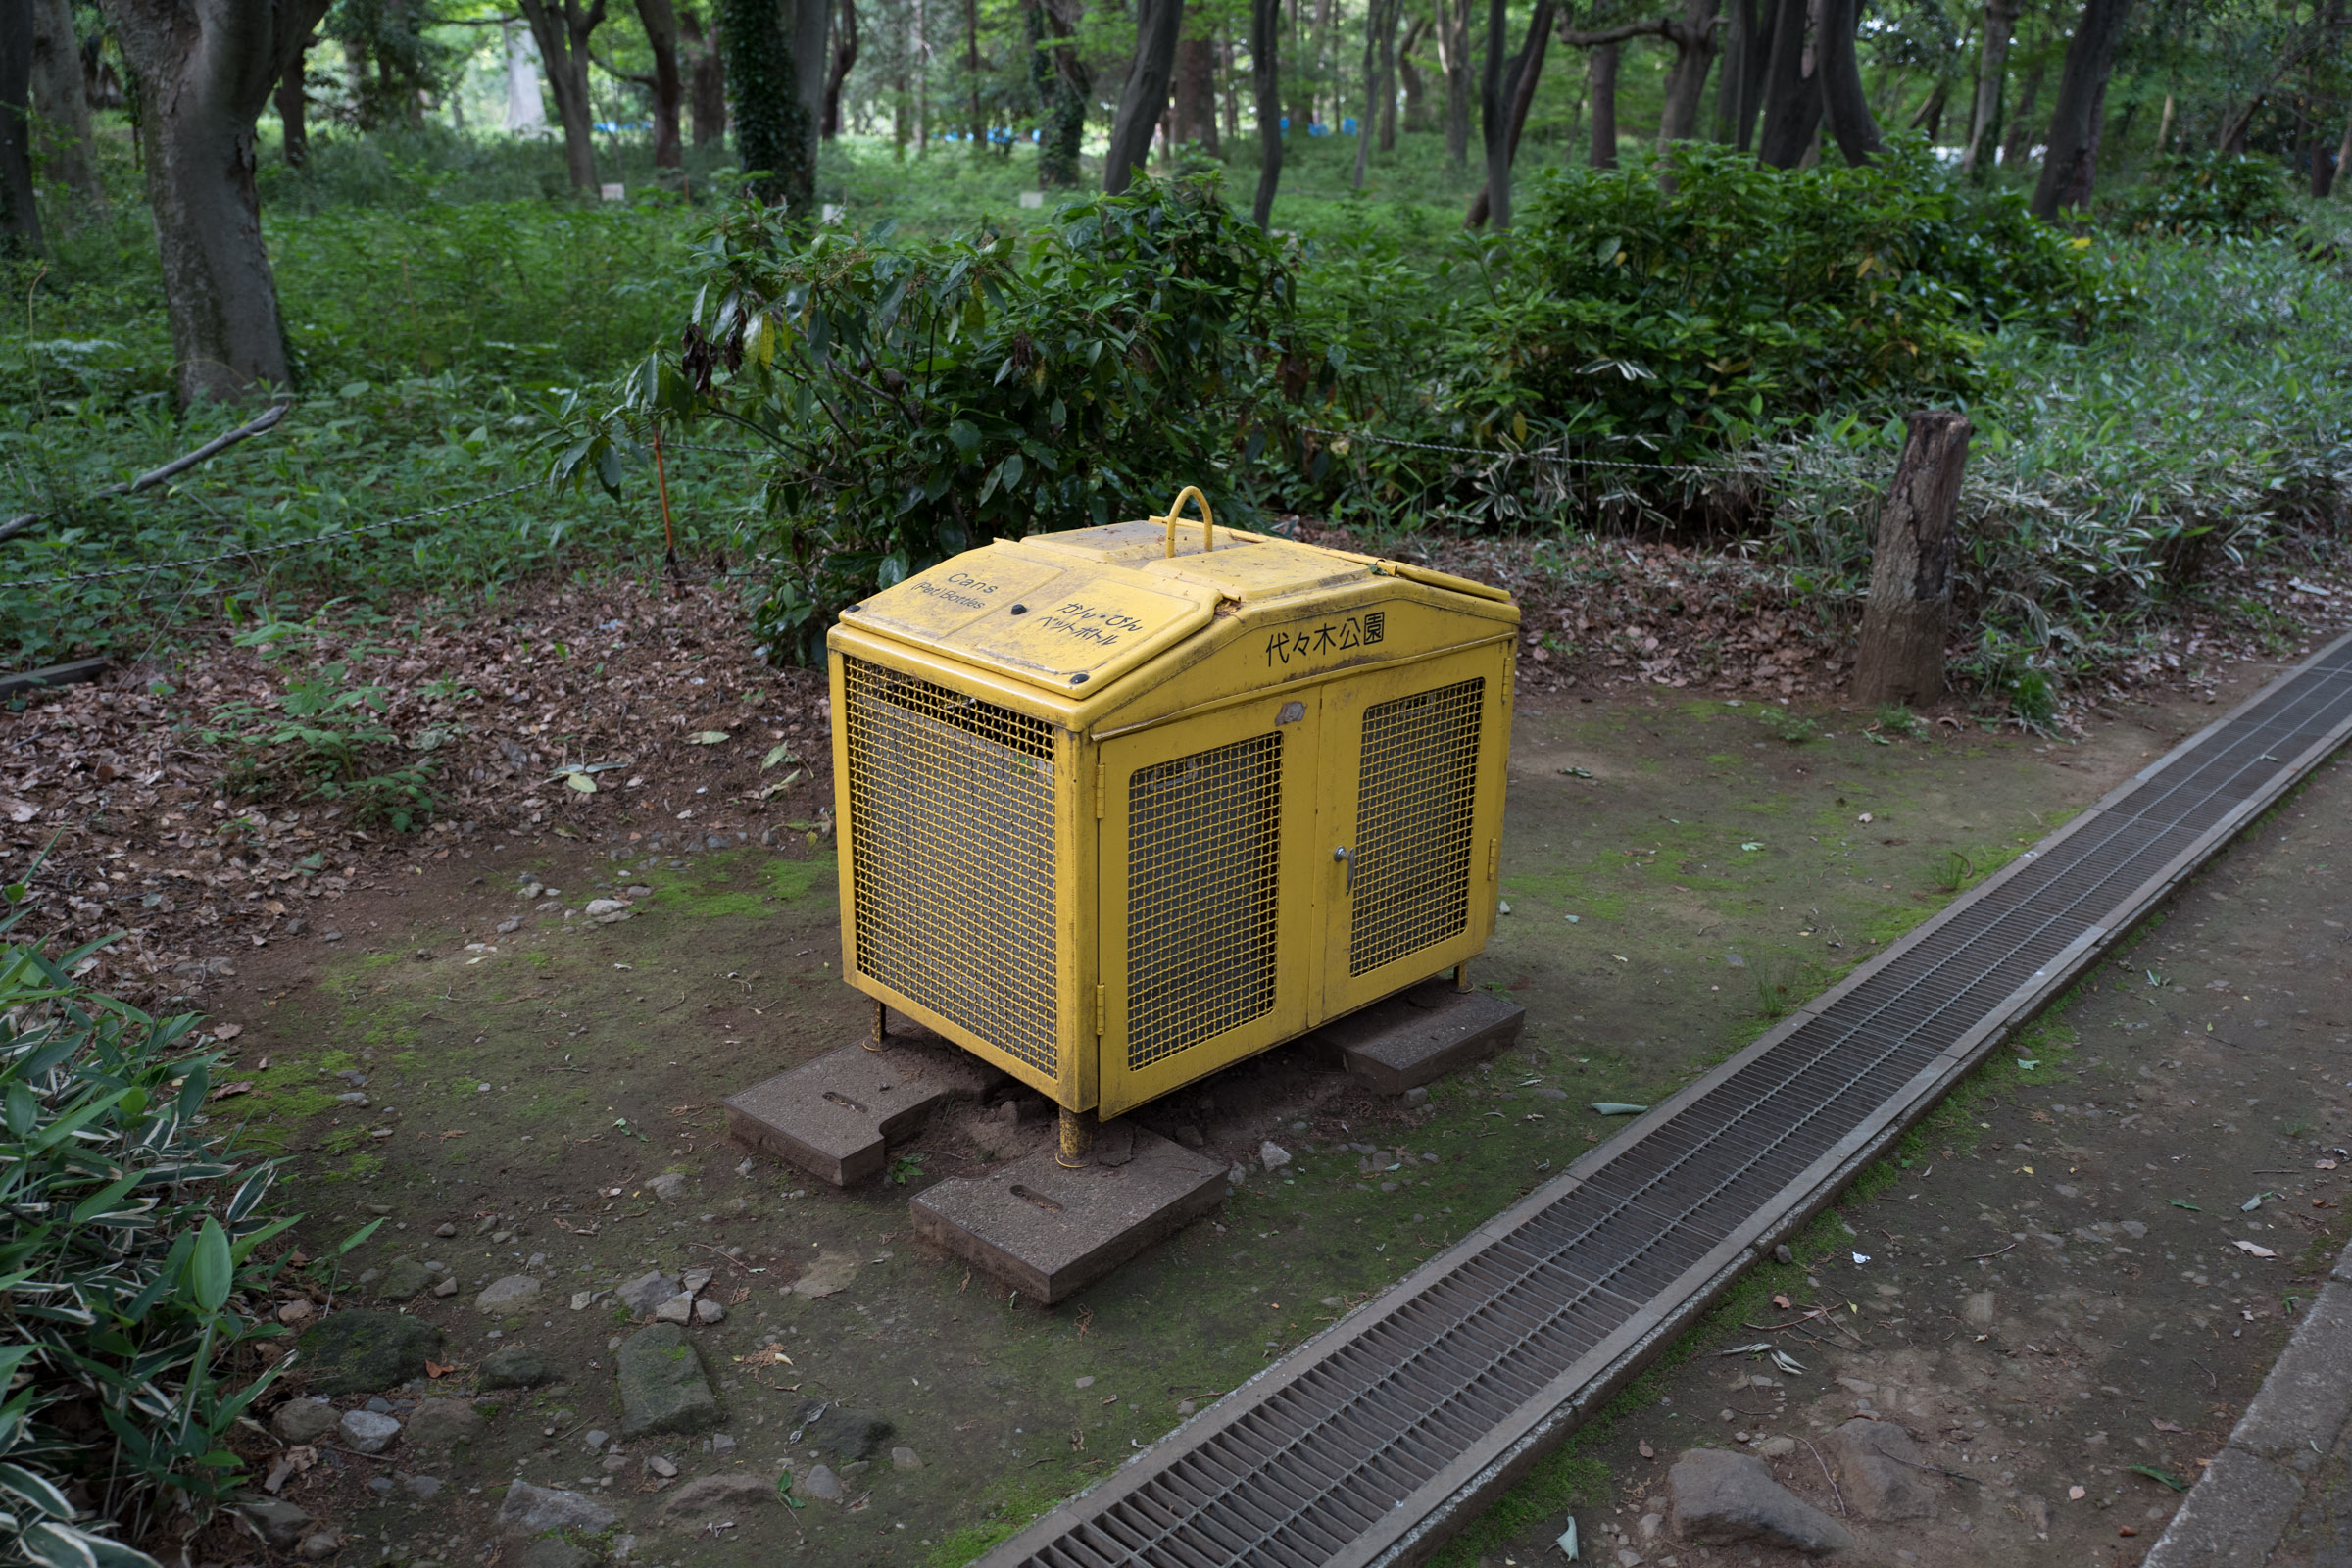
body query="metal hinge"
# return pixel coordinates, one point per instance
(1493, 856)
(1102, 1008)
(1099, 789)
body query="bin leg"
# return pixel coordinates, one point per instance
(881, 1026)
(1461, 975)
(1076, 1148)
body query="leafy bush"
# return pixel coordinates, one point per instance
(922, 398)
(2208, 195)
(1727, 299)
(128, 1258)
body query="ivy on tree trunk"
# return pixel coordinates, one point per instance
(1059, 78)
(20, 217)
(775, 129)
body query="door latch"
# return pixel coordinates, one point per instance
(1347, 855)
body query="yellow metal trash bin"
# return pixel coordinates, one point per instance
(1121, 807)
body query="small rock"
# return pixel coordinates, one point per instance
(1651, 1525)
(707, 1311)
(529, 1510)
(446, 1288)
(849, 1434)
(661, 1467)
(600, 908)
(1273, 1155)
(513, 1368)
(678, 1309)
(670, 1187)
(821, 1484)
(694, 1278)
(1723, 1499)
(1416, 1096)
(1781, 1254)
(445, 1229)
(1879, 1472)
(1776, 1447)
(831, 1273)
(1087, 1382)
(662, 1388)
(367, 1430)
(596, 1437)
(504, 1297)
(510, 925)
(1976, 1309)
(721, 1443)
(422, 1487)
(295, 1313)
(647, 1292)
(444, 1422)
(281, 1523)
(904, 1459)
(713, 1493)
(403, 1281)
(320, 1547)
(1190, 1136)
(300, 1421)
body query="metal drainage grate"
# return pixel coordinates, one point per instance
(1368, 1443)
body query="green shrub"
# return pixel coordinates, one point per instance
(1709, 299)
(128, 1255)
(924, 397)
(2210, 195)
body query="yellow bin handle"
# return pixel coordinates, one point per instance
(1208, 524)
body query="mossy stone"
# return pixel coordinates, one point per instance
(362, 1352)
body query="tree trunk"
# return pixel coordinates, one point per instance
(1842, 96)
(1265, 72)
(294, 102)
(1792, 90)
(2344, 155)
(1992, 70)
(976, 124)
(661, 20)
(1158, 26)
(1903, 624)
(1735, 89)
(1505, 97)
(2233, 140)
(19, 215)
(562, 29)
(1196, 93)
(775, 56)
(2164, 127)
(61, 100)
(203, 71)
(1930, 115)
(1693, 35)
(705, 78)
(2019, 136)
(1059, 78)
(1453, 58)
(845, 59)
(1379, 22)
(1601, 87)
(2069, 166)
(1417, 87)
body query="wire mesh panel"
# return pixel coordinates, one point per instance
(1203, 848)
(952, 855)
(1411, 872)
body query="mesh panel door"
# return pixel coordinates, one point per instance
(952, 855)
(1413, 832)
(1203, 852)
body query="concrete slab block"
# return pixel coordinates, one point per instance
(835, 1117)
(1419, 1036)
(1047, 1232)
(2231, 1517)
(2303, 1404)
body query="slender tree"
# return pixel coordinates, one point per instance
(1265, 33)
(667, 86)
(1057, 73)
(1736, 88)
(201, 71)
(1842, 95)
(1380, 42)
(1792, 90)
(2071, 165)
(63, 102)
(19, 215)
(1196, 93)
(1693, 36)
(562, 29)
(1158, 25)
(1600, 90)
(845, 60)
(1992, 73)
(1504, 96)
(705, 76)
(1454, 58)
(1415, 90)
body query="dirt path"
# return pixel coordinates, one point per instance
(1676, 873)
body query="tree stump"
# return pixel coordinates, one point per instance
(1901, 656)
